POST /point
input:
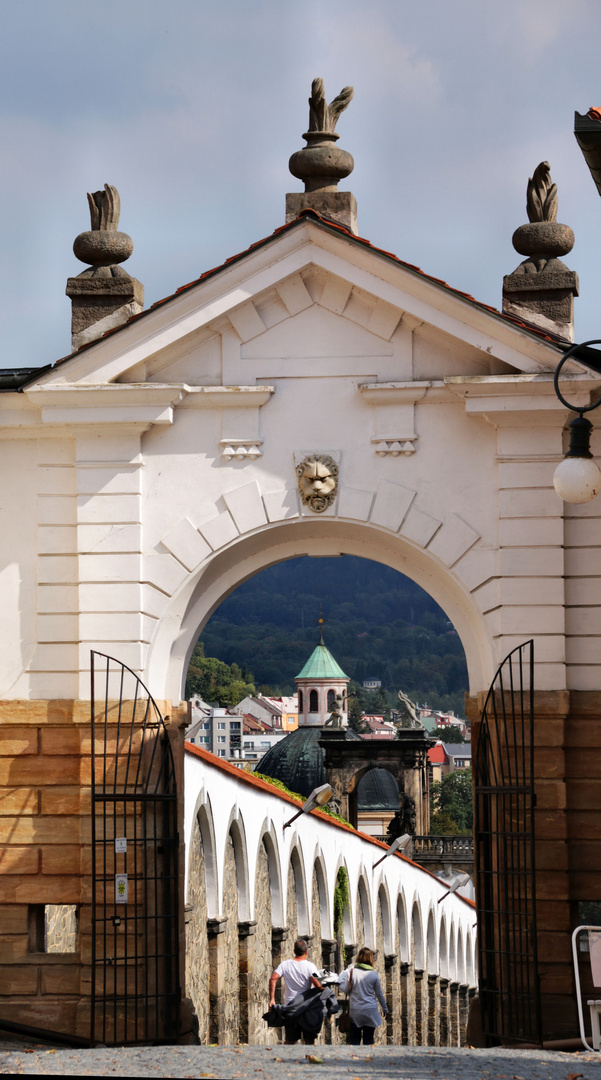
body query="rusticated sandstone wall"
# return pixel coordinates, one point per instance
(197, 946)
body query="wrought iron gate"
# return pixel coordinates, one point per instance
(504, 852)
(135, 955)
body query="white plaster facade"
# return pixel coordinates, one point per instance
(125, 519)
(444, 933)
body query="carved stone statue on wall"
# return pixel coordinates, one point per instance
(336, 717)
(317, 481)
(408, 712)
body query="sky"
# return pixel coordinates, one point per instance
(192, 109)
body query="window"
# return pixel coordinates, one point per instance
(206, 727)
(234, 725)
(205, 738)
(300, 701)
(331, 699)
(221, 738)
(313, 701)
(221, 753)
(221, 727)
(53, 928)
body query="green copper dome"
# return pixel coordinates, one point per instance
(298, 760)
(321, 665)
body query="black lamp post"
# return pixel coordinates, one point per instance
(577, 478)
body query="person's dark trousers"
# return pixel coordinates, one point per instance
(293, 1032)
(354, 1035)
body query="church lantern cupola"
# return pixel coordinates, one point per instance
(322, 688)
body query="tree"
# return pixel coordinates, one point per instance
(451, 802)
(214, 681)
(451, 734)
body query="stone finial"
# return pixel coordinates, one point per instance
(103, 296)
(320, 164)
(542, 289)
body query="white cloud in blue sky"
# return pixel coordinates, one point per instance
(192, 109)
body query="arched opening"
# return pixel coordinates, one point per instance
(443, 956)
(297, 913)
(194, 602)
(401, 918)
(431, 946)
(460, 957)
(331, 700)
(365, 935)
(197, 943)
(313, 701)
(301, 705)
(377, 801)
(417, 937)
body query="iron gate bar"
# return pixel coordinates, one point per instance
(504, 850)
(140, 1002)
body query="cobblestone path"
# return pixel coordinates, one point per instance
(282, 1062)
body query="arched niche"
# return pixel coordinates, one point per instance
(268, 837)
(417, 937)
(432, 957)
(325, 909)
(237, 832)
(203, 815)
(300, 886)
(208, 585)
(402, 929)
(443, 952)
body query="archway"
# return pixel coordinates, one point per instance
(195, 601)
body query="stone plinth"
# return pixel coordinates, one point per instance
(545, 299)
(338, 206)
(101, 300)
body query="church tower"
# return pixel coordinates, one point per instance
(319, 683)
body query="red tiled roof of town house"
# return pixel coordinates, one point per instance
(437, 755)
(334, 227)
(255, 781)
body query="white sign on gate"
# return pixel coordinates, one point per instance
(120, 888)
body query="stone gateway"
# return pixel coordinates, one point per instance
(155, 468)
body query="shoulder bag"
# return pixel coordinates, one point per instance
(344, 1020)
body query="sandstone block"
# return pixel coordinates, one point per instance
(16, 980)
(12, 948)
(584, 795)
(39, 770)
(14, 918)
(61, 859)
(41, 830)
(18, 800)
(16, 741)
(60, 979)
(65, 800)
(57, 741)
(17, 859)
(35, 889)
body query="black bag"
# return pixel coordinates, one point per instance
(344, 1020)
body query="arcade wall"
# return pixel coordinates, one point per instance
(253, 888)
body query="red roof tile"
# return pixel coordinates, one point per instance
(336, 227)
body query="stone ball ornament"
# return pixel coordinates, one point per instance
(577, 479)
(317, 476)
(103, 244)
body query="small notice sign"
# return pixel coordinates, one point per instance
(120, 845)
(120, 888)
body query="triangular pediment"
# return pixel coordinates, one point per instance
(306, 295)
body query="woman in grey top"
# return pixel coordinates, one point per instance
(364, 994)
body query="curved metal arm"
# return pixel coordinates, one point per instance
(567, 356)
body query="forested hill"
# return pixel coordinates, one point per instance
(379, 623)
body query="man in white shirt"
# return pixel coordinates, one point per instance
(299, 974)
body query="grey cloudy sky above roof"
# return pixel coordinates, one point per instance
(192, 110)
